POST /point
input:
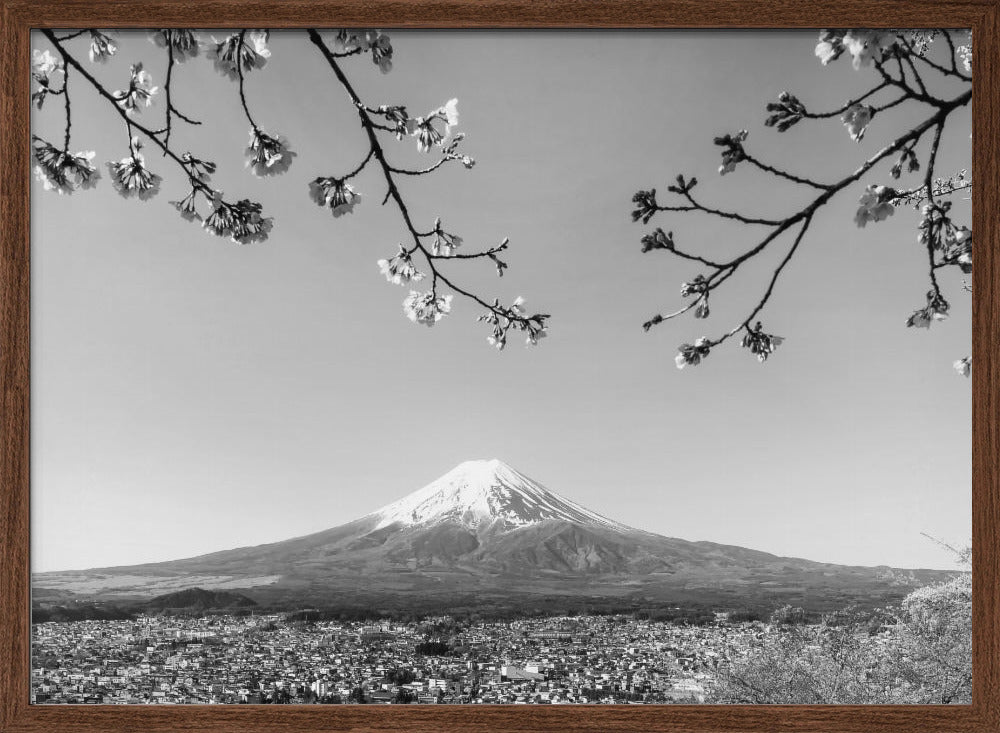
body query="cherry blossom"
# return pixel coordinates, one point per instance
(875, 205)
(856, 120)
(140, 91)
(240, 222)
(130, 177)
(183, 43)
(239, 51)
(693, 353)
(400, 269)
(267, 155)
(424, 129)
(760, 344)
(935, 310)
(61, 171)
(102, 47)
(426, 308)
(334, 193)
(444, 244)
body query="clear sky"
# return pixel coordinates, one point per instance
(192, 395)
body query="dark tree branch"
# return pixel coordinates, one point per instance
(847, 105)
(171, 109)
(784, 174)
(152, 135)
(393, 193)
(243, 96)
(735, 152)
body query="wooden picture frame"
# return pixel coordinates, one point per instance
(19, 17)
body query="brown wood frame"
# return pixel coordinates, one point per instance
(20, 16)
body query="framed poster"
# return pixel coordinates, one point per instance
(586, 367)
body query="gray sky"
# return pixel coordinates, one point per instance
(191, 395)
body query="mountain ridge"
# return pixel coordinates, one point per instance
(488, 530)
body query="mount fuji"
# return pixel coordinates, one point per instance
(482, 534)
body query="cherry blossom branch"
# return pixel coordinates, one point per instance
(66, 104)
(235, 56)
(500, 316)
(361, 166)
(942, 235)
(242, 79)
(953, 71)
(910, 92)
(929, 187)
(745, 323)
(847, 105)
(784, 174)
(684, 190)
(241, 221)
(74, 34)
(152, 135)
(171, 109)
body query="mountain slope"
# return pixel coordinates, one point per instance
(487, 531)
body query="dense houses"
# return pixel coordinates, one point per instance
(267, 659)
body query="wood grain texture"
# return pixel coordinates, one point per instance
(19, 16)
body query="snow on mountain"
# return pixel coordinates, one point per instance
(483, 493)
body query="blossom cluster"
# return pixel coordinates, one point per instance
(864, 45)
(935, 310)
(427, 132)
(400, 268)
(196, 168)
(657, 240)
(130, 177)
(267, 155)
(44, 67)
(426, 308)
(693, 353)
(361, 41)
(444, 244)
(186, 206)
(492, 253)
(907, 158)
(698, 286)
(939, 233)
(732, 151)
(450, 151)
(761, 344)
(856, 119)
(787, 111)
(240, 53)
(964, 54)
(183, 44)
(140, 91)
(335, 194)
(395, 116)
(102, 47)
(645, 206)
(241, 222)
(875, 204)
(502, 319)
(62, 171)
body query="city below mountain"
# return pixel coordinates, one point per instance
(485, 536)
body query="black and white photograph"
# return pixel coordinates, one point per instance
(482, 367)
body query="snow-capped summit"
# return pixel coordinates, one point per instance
(486, 492)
